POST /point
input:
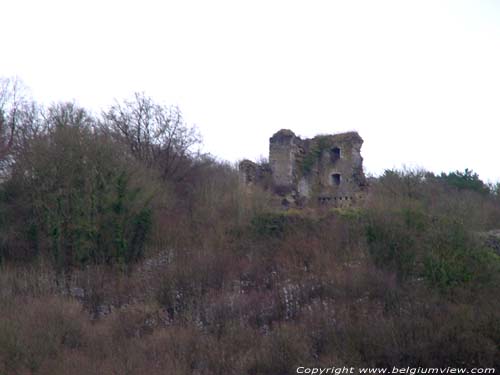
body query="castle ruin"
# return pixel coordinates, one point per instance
(325, 170)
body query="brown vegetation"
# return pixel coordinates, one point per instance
(223, 285)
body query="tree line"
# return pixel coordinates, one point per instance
(77, 188)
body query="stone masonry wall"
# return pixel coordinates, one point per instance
(326, 169)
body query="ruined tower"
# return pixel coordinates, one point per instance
(284, 147)
(326, 169)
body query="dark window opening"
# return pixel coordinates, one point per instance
(336, 179)
(335, 154)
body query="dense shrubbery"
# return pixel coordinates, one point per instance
(466, 180)
(71, 196)
(78, 189)
(215, 282)
(439, 249)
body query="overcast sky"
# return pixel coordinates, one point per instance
(419, 80)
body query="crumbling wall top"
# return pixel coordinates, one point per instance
(351, 137)
(347, 137)
(282, 135)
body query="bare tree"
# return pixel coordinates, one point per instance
(19, 118)
(9, 103)
(157, 135)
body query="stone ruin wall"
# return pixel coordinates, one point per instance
(284, 147)
(324, 170)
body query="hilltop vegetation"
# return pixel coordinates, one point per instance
(123, 250)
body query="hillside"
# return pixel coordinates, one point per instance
(124, 251)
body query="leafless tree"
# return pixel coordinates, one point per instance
(21, 119)
(9, 103)
(68, 114)
(157, 135)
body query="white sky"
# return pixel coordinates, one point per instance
(419, 80)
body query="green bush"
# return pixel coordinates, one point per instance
(415, 244)
(278, 225)
(269, 224)
(75, 199)
(393, 238)
(454, 258)
(466, 180)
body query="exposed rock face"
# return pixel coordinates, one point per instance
(327, 169)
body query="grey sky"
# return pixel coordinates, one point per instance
(419, 80)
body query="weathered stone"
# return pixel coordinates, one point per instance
(327, 169)
(248, 171)
(284, 147)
